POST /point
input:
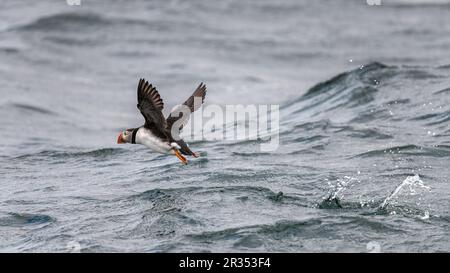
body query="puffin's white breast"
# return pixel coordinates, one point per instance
(145, 137)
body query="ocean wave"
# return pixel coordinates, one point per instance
(157, 193)
(409, 150)
(24, 219)
(68, 21)
(344, 80)
(65, 21)
(445, 90)
(9, 50)
(415, 3)
(173, 199)
(294, 232)
(355, 91)
(361, 92)
(168, 212)
(29, 108)
(242, 231)
(97, 153)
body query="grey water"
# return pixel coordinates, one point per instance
(364, 153)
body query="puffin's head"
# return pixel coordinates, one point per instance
(125, 136)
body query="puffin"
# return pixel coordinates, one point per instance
(158, 133)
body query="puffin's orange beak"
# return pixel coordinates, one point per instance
(120, 139)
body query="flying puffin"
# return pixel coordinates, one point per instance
(157, 132)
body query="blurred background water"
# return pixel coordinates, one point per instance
(364, 152)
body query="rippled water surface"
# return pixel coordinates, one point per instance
(364, 155)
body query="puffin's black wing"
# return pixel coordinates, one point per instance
(150, 104)
(193, 102)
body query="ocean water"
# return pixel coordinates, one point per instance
(364, 155)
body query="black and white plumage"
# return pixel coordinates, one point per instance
(159, 133)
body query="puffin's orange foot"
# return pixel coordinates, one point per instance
(180, 156)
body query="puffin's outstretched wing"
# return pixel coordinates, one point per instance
(193, 102)
(150, 104)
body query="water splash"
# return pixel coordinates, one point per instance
(413, 183)
(337, 190)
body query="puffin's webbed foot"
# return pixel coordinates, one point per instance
(180, 156)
